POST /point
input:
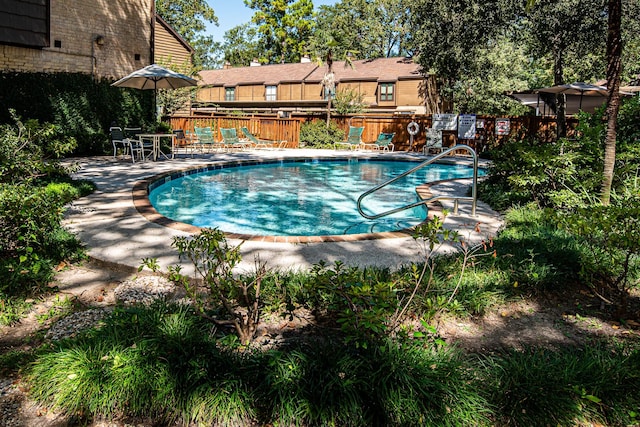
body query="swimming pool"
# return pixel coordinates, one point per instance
(308, 197)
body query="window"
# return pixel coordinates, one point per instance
(271, 93)
(386, 91)
(326, 92)
(230, 94)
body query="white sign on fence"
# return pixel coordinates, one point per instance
(467, 126)
(445, 121)
(503, 126)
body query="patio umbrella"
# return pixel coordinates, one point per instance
(155, 77)
(579, 88)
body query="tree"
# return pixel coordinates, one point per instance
(614, 70)
(448, 36)
(566, 30)
(284, 28)
(241, 45)
(188, 18)
(505, 67)
(370, 28)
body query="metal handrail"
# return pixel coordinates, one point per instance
(473, 198)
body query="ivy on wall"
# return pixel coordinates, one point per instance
(82, 107)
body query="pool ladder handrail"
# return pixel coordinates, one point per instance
(473, 197)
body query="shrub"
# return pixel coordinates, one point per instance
(348, 101)
(566, 174)
(26, 150)
(316, 133)
(610, 261)
(236, 299)
(81, 107)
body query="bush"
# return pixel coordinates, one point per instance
(610, 259)
(566, 174)
(316, 134)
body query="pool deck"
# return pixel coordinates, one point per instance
(119, 229)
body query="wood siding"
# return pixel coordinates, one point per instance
(169, 50)
(24, 23)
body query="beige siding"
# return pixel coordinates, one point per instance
(170, 51)
(313, 92)
(210, 94)
(370, 91)
(408, 92)
(250, 93)
(290, 91)
(125, 26)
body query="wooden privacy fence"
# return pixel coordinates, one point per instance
(289, 129)
(275, 129)
(520, 126)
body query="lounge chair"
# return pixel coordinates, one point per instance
(205, 140)
(354, 138)
(434, 141)
(262, 143)
(129, 147)
(382, 143)
(231, 141)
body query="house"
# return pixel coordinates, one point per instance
(107, 39)
(387, 85)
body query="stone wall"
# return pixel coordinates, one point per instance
(104, 38)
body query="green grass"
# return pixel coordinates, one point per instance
(163, 361)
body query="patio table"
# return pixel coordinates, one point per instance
(155, 138)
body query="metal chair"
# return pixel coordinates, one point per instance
(128, 146)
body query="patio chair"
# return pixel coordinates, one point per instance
(382, 143)
(185, 143)
(262, 143)
(434, 141)
(129, 147)
(354, 138)
(230, 140)
(146, 146)
(205, 140)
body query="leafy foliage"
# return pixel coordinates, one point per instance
(162, 363)
(214, 260)
(79, 107)
(189, 18)
(348, 101)
(241, 45)
(365, 29)
(33, 190)
(284, 27)
(317, 134)
(611, 260)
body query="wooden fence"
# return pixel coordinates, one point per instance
(289, 129)
(262, 127)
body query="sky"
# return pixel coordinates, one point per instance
(232, 13)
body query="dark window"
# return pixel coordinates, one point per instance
(24, 23)
(386, 91)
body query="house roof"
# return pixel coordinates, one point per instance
(380, 69)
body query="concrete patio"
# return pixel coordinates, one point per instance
(116, 233)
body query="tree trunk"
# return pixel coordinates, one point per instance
(329, 71)
(558, 79)
(614, 68)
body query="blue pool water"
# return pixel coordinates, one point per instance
(298, 198)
